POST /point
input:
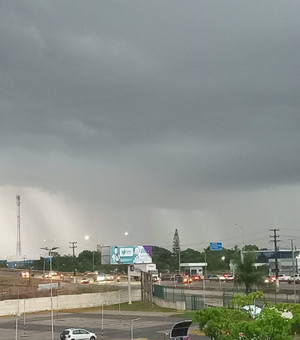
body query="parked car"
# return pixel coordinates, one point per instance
(184, 279)
(294, 278)
(77, 334)
(165, 277)
(283, 277)
(217, 278)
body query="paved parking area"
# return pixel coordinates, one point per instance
(39, 326)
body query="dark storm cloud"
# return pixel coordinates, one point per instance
(166, 98)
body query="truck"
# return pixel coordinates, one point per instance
(144, 267)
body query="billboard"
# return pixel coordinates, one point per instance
(130, 254)
(215, 246)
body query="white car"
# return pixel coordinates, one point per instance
(77, 334)
(293, 278)
(100, 278)
(283, 277)
(109, 277)
(229, 278)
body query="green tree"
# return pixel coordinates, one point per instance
(250, 247)
(216, 322)
(246, 272)
(176, 243)
(176, 247)
(191, 256)
(163, 259)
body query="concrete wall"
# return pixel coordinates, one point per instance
(180, 305)
(9, 307)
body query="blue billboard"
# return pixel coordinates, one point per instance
(130, 254)
(215, 246)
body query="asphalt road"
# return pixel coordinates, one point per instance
(217, 286)
(39, 326)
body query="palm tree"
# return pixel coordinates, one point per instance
(246, 272)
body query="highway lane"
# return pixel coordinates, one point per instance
(39, 326)
(213, 285)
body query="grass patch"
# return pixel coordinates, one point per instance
(187, 315)
(140, 306)
(135, 306)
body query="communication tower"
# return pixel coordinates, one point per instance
(19, 247)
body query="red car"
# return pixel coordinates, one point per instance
(85, 280)
(196, 277)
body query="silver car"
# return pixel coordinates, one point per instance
(77, 334)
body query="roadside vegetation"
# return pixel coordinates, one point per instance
(164, 259)
(279, 322)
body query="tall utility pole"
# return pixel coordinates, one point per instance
(19, 246)
(73, 246)
(275, 237)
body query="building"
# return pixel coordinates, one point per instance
(286, 264)
(193, 268)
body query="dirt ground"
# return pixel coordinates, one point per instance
(12, 285)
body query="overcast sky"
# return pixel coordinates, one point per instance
(147, 116)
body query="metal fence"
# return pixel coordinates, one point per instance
(192, 302)
(272, 298)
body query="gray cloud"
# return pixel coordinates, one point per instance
(147, 105)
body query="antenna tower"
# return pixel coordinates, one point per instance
(19, 248)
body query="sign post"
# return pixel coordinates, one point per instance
(129, 255)
(129, 284)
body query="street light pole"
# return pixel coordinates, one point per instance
(131, 327)
(51, 289)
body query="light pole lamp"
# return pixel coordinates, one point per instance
(50, 250)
